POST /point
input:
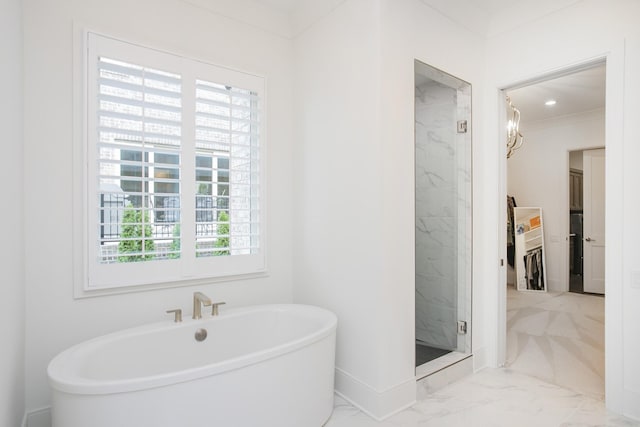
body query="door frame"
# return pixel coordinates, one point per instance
(614, 141)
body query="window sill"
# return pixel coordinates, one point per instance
(80, 292)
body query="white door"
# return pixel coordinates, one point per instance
(594, 202)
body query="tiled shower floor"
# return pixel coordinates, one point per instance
(425, 353)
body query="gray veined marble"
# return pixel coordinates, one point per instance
(557, 337)
(491, 398)
(443, 211)
(446, 207)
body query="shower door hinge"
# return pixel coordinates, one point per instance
(462, 126)
(462, 327)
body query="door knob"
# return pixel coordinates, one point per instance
(589, 239)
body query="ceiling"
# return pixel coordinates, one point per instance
(489, 6)
(578, 92)
(287, 6)
(574, 93)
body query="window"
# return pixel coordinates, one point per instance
(174, 168)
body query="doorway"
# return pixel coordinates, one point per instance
(557, 336)
(587, 222)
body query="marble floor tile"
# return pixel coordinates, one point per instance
(492, 398)
(557, 337)
(555, 375)
(346, 415)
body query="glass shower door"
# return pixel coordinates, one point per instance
(442, 215)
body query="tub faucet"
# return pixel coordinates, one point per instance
(199, 300)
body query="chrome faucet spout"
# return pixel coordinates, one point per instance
(199, 300)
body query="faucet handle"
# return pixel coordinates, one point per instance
(214, 308)
(177, 314)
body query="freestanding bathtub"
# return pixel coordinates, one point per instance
(267, 366)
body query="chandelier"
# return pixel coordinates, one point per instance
(514, 137)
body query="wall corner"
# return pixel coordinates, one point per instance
(378, 404)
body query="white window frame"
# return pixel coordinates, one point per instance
(99, 278)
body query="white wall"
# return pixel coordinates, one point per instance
(538, 176)
(628, 290)
(54, 319)
(354, 229)
(12, 250)
(337, 262)
(577, 34)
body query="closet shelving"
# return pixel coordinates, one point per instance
(533, 239)
(530, 257)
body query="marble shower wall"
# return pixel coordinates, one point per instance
(442, 215)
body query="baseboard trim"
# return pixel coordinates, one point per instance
(378, 404)
(40, 417)
(479, 359)
(631, 408)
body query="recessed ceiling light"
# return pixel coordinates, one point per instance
(550, 102)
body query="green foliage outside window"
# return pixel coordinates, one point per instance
(132, 227)
(220, 242)
(222, 230)
(175, 244)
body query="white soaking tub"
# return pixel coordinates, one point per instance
(267, 366)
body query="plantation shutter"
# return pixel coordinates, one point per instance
(174, 173)
(138, 146)
(227, 170)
